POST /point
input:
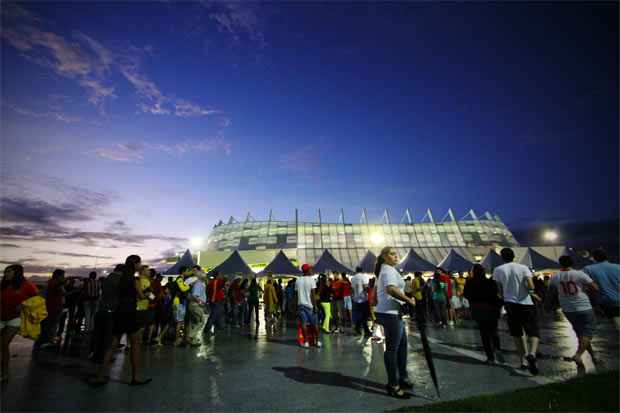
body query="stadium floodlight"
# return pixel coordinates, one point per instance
(377, 238)
(196, 242)
(550, 235)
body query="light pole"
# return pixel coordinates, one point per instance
(196, 243)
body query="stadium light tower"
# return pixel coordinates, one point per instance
(550, 235)
(196, 243)
(377, 238)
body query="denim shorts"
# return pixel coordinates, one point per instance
(306, 315)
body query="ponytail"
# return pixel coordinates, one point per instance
(381, 260)
(378, 264)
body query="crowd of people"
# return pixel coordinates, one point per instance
(150, 310)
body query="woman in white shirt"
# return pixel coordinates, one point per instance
(390, 296)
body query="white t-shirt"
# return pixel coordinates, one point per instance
(304, 286)
(570, 290)
(512, 277)
(358, 282)
(385, 302)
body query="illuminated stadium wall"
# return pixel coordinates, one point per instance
(472, 236)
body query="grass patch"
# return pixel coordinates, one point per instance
(591, 393)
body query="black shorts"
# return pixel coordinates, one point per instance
(611, 311)
(522, 318)
(125, 322)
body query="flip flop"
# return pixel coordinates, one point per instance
(140, 382)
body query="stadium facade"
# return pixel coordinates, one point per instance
(258, 241)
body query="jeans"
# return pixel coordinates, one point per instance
(196, 321)
(441, 311)
(215, 317)
(238, 313)
(90, 309)
(362, 311)
(395, 356)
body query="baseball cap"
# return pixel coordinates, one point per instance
(306, 268)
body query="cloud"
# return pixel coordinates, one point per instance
(121, 153)
(49, 115)
(36, 211)
(117, 226)
(88, 62)
(135, 152)
(240, 20)
(5, 245)
(72, 254)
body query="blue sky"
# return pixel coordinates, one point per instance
(131, 127)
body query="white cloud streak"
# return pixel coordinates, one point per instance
(135, 152)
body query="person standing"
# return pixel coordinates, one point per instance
(125, 322)
(270, 300)
(517, 289)
(483, 297)
(143, 289)
(346, 298)
(325, 300)
(54, 302)
(14, 290)
(305, 287)
(91, 299)
(570, 285)
(196, 307)
(390, 297)
(417, 292)
(216, 296)
(253, 294)
(607, 278)
(103, 332)
(440, 299)
(359, 285)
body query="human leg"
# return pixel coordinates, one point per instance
(6, 334)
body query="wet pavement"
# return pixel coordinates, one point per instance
(255, 370)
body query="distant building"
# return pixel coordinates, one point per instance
(259, 241)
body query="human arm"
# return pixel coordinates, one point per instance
(396, 292)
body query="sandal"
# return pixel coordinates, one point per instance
(140, 382)
(397, 392)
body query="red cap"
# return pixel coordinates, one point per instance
(306, 268)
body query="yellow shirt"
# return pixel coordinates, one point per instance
(144, 283)
(416, 288)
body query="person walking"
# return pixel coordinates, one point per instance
(517, 289)
(125, 323)
(270, 300)
(607, 278)
(570, 286)
(483, 296)
(346, 298)
(254, 291)
(417, 292)
(103, 332)
(390, 297)
(14, 290)
(54, 302)
(359, 285)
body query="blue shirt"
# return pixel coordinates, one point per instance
(199, 291)
(607, 277)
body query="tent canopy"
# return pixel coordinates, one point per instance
(280, 265)
(536, 261)
(413, 262)
(368, 263)
(491, 261)
(455, 262)
(327, 262)
(578, 261)
(186, 260)
(233, 265)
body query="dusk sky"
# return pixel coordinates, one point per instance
(132, 127)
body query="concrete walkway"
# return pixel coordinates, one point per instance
(239, 370)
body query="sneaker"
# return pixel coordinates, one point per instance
(531, 364)
(499, 356)
(319, 344)
(450, 323)
(304, 345)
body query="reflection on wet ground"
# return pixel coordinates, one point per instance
(263, 369)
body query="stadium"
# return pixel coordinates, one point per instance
(258, 241)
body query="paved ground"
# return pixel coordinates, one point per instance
(237, 371)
